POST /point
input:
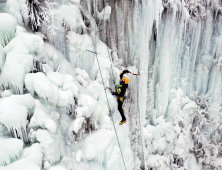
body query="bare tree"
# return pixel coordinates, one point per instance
(37, 13)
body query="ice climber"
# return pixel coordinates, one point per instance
(120, 93)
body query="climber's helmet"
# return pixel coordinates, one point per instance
(125, 80)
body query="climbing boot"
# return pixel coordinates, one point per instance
(122, 122)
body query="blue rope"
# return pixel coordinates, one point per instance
(104, 84)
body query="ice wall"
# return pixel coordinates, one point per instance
(177, 41)
(185, 51)
(173, 44)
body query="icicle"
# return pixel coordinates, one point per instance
(7, 28)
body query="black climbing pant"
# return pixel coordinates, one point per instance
(120, 108)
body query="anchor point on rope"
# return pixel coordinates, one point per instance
(91, 51)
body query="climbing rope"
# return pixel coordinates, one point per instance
(104, 84)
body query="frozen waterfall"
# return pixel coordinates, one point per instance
(57, 58)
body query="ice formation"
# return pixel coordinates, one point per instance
(49, 144)
(11, 150)
(70, 16)
(46, 87)
(19, 60)
(31, 159)
(105, 13)
(42, 119)
(8, 28)
(54, 102)
(14, 8)
(14, 111)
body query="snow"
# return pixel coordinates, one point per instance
(82, 111)
(42, 119)
(85, 100)
(14, 70)
(70, 15)
(55, 59)
(56, 78)
(14, 111)
(19, 59)
(91, 166)
(50, 125)
(7, 28)
(31, 159)
(44, 137)
(78, 45)
(193, 164)
(6, 93)
(105, 13)
(79, 154)
(47, 165)
(25, 43)
(77, 124)
(58, 167)
(13, 8)
(75, 1)
(10, 150)
(72, 87)
(49, 145)
(100, 112)
(48, 87)
(162, 137)
(39, 83)
(174, 105)
(157, 161)
(93, 145)
(38, 117)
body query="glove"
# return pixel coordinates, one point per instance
(113, 93)
(126, 71)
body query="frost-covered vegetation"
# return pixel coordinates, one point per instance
(53, 109)
(53, 112)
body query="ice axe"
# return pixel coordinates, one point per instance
(109, 89)
(135, 74)
(99, 31)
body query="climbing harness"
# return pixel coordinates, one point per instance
(122, 99)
